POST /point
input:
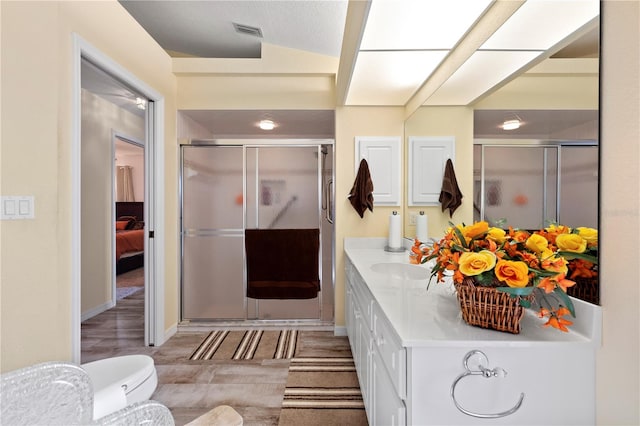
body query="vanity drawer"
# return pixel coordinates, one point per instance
(391, 351)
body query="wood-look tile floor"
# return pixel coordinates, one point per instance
(254, 388)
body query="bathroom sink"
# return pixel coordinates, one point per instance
(404, 271)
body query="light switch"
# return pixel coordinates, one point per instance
(17, 207)
(24, 207)
(8, 207)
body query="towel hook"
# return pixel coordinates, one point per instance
(487, 373)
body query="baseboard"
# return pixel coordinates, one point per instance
(169, 332)
(340, 330)
(97, 310)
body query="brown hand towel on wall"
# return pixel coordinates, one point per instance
(450, 195)
(361, 194)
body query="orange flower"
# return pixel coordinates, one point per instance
(475, 230)
(581, 268)
(555, 264)
(520, 236)
(563, 283)
(458, 277)
(547, 284)
(514, 274)
(559, 323)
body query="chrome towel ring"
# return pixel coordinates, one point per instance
(485, 372)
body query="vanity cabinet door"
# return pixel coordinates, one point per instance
(388, 409)
(363, 366)
(392, 354)
(349, 318)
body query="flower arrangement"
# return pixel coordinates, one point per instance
(520, 263)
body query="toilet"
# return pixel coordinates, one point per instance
(120, 381)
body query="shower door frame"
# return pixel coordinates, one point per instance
(559, 146)
(322, 215)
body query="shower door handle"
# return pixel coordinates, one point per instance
(329, 201)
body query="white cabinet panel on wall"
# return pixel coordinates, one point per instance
(427, 160)
(384, 157)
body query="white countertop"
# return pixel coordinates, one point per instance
(432, 317)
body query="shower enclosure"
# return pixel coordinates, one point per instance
(531, 183)
(230, 186)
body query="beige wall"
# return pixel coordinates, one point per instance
(444, 121)
(36, 160)
(618, 362)
(99, 119)
(352, 122)
(542, 91)
(208, 91)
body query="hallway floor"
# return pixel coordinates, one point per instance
(254, 388)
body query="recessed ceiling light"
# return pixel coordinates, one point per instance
(511, 124)
(141, 103)
(267, 125)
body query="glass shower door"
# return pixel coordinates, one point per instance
(212, 233)
(520, 185)
(283, 193)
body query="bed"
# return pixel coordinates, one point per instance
(129, 250)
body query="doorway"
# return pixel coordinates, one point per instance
(154, 197)
(129, 189)
(259, 185)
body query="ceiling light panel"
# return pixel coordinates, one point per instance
(390, 77)
(482, 71)
(419, 24)
(540, 24)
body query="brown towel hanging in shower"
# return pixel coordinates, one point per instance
(450, 195)
(282, 263)
(361, 194)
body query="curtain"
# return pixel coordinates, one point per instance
(124, 184)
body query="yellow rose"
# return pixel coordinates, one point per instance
(513, 273)
(546, 254)
(536, 243)
(497, 234)
(475, 230)
(471, 263)
(571, 242)
(589, 234)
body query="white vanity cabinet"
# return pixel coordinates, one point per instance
(411, 347)
(379, 357)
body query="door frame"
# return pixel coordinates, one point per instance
(154, 195)
(258, 143)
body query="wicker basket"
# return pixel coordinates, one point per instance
(487, 307)
(587, 289)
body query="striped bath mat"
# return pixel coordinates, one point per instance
(322, 391)
(247, 344)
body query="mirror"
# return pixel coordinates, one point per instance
(559, 131)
